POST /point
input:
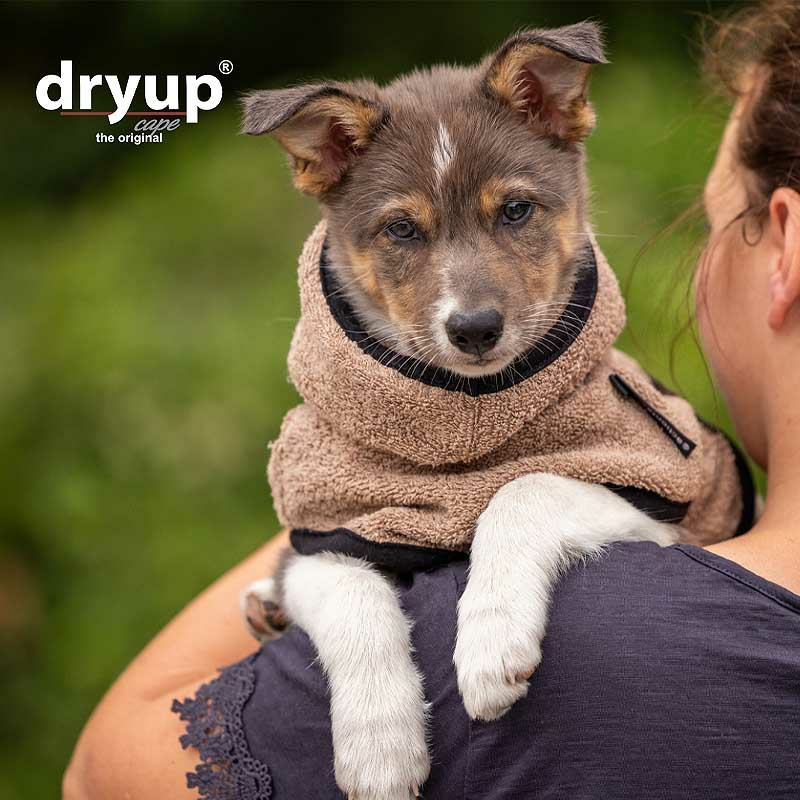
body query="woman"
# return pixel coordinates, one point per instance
(669, 673)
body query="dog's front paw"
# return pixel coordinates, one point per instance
(495, 656)
(262, 611)
(381, 758)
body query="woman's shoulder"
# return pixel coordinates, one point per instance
(642, 579)
(655, 659)
(639, 601)
(677, 580)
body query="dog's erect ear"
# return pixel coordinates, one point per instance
(544, 75)
(323, 127)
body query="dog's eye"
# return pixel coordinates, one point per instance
(404, 230)
(516, 211)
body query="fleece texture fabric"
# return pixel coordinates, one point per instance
(387, 452)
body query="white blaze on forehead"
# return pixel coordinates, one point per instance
(443, 151)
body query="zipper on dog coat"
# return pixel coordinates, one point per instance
(684, 444)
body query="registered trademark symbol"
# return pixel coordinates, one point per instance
(225, 66)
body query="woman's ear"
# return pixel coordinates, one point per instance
(323, 127)
(784, 222)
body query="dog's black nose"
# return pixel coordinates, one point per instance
(477, 332)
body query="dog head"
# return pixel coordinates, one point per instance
(455, 197)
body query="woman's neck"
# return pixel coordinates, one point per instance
(772, 548)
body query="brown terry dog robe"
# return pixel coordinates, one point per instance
(394, 460)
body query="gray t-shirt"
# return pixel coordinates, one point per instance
(667, 674)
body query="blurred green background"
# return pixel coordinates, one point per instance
(147, 299)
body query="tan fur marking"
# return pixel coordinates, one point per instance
(364, 271)
(567, 231)
(309, 181)
(572, 118)
(401, 305)
(504, 80)
(415, 204)
(497, 191)
(490, 197)
(582, 123)
(545, 284)
(305, 135)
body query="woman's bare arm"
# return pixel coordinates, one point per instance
(129, 747)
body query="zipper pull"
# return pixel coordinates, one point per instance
(684, 444)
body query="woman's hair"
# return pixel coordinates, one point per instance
(763, 41)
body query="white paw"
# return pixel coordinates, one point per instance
(495, 656)
(261, 610)
(381, 757)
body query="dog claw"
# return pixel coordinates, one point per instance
(519, 677)
(526, 675)
(265, 617)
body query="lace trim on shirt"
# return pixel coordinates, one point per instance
(215, 729)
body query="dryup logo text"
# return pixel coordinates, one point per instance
(161, 94)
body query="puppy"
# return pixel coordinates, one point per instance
(455, 201)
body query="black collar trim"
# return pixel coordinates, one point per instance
(558, 339)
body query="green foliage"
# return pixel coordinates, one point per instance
(145, 317)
